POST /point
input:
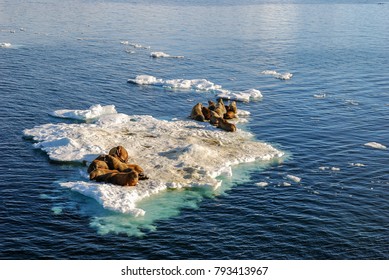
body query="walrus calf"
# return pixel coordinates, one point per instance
(123, 178)
(197, 113)
(223, 124)
(119, 152)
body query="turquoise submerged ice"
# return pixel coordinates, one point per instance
(174, 154)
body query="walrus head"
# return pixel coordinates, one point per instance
(119, 152)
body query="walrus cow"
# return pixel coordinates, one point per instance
(119, 152)
(220, 104)
(123, 178)
(211, 105)
(197, 113)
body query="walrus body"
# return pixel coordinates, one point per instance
(229, 115)
(197, 113)
(206, 112)
(211, 105)
(115, 164)
(223, 124)
(214, 120)
(119, 152)
(98, 163)
(100, 174)
(220, 104)
(123, 178)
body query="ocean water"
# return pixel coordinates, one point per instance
(306, 175)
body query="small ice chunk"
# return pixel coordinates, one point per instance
(162, 54)
(294, 178)
(262, 184)
(5, 45)
(275, 74)
(375, 145)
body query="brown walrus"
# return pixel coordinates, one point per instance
(123, 178)
(220, 104)
(211, 105)
(98, 174)
(115, 164)
(229, 115)
(206, 112)
(119, 152)
(196, 113)
(97, 164)
(232, 107)
(214, 120)
(223, 124)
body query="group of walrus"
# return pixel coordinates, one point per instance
(216, 113)
(115, 169)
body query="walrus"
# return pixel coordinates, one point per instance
(98, 174)
(232, 107)
(220, 104)
(214, 120)
(97, 164)
(211, 105)
(123, 178)
(115, 164)
(223, 124)
(196, 113)
(206, 112)
(120, 152)
(229, 115)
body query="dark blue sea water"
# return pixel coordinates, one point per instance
(68, 55)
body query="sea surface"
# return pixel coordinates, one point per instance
(327, 197)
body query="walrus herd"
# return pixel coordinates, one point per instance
(115, 169)
(216, 113)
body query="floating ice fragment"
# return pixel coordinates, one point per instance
(198, 85)
(5, 45)
(375, 145)
(93, 112)
(262, 184)
(357, 164)
(162, 54)
(284, 76)
(294, 178)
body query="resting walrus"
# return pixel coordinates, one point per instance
(206, 112)
(123, 178)
(223, 124)
(100, 174)
(214, 120)
(97, 164)
(220, 104)
(115, 164)
(196, 113)
(119, 152)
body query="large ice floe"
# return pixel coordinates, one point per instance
(198, 85)
(174, 154)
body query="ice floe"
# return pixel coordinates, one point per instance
(375, 145)
(174, 154)
(262, 184)
(275, 74)
(197, 85)
(93, 112)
